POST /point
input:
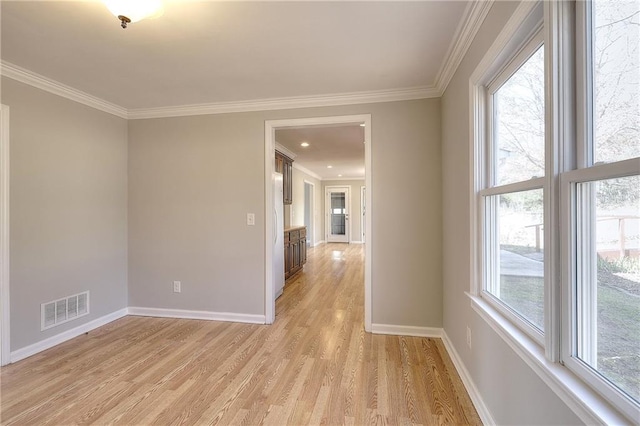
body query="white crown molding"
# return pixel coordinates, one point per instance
(52, 341)
(25, 76)
(292, 155)
(474, 16)
(288, 103)
(31, 78)
(307, 171)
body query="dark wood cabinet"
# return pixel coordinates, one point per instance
(284, 165)
(295, 250)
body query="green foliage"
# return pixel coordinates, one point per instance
(627, 264)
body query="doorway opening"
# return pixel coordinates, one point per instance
(271, 126)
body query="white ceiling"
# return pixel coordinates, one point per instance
(341, 147)
(214, 53)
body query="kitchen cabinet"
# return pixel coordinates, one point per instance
(295, 250)
(284, 165)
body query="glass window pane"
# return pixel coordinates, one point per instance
(616, 79)
(338, 217)
(608, 303)
(518, 108)
(517, 235)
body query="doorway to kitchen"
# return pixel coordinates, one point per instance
(271, 126)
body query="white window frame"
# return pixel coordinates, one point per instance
(574, 272)
(516, 56)
(589, 400)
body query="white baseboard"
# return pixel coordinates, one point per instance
(472, 390)
(357, 242)
(201, 315)
(52, 341)
(406, 330)
(318, 243)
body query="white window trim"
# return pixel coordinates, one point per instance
(489, 84)
(528, 15)
(569, 181)
(581, 398)
(585, 171)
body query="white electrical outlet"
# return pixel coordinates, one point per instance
(251, 219)
(469, 337)
(177, 286)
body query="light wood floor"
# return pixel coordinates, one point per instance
(315, 365)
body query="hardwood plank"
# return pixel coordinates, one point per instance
(314, 365)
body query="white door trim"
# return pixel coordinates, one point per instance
(311, 233)
(5, 330)
(363, 213)
(269, 163)
(327, 212)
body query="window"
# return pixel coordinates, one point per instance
(607, 293)
(556, 196)
(514, 169)
(603, 198)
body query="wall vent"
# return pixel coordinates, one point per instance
(63, 310)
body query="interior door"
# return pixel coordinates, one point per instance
(337, 203)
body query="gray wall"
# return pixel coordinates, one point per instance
(297, 207)
(193, 179)
(68, 208)
(518, 397)
(355, 210)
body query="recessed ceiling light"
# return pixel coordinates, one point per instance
(339, 175)
(304, 144)
(361, 124)
(329, 167)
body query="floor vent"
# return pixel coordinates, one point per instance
(64, 310)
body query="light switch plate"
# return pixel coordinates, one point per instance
(251, 219)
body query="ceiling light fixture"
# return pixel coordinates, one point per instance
(361, 124)
(129, 11)
(304, 144)
(329, 167)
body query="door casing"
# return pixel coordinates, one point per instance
(270, 127)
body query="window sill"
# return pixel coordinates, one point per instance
(589, 406)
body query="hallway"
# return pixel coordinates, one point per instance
(315, 365)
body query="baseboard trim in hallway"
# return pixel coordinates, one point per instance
(62, 337)
(467, 381)
(406, 330)
(200, 315)
(474, 394)
(314, 365)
